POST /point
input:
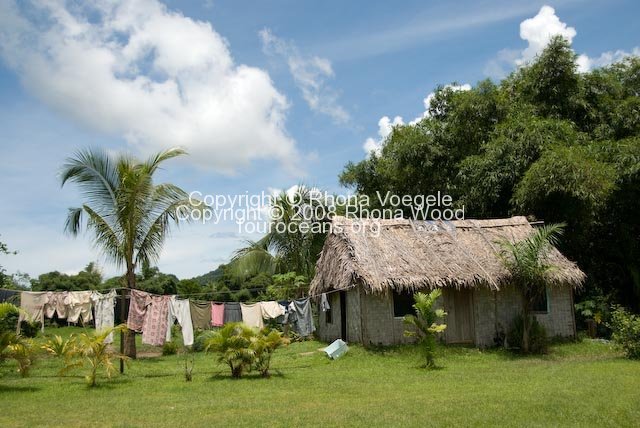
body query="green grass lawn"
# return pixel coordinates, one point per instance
(582, 384)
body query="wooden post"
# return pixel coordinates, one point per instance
(123, 300)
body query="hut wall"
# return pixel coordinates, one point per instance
(370, 317)
(484, 316)
(354, 315)
(560, 319)
(378, 323)
(329, 332)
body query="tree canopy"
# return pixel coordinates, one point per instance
(547, 142)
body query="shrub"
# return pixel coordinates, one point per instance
(626, 331)
(19, 349)
(170, 348)
(424, 323)
(9, 315)
(90, 349)
(58, 347)
(234, 344)
(189, 363)
(538, 341)
(265, 344)
(30, 328)
(200, 340)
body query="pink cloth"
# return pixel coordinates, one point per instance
(156, 321)
(140, 300)
(217, 314)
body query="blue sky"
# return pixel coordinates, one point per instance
(264, 95)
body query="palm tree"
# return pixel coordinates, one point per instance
(284, 248)
(425, 324)
(129, 214)
(528, 265)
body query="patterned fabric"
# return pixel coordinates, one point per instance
(137, 309)
(180, 310)
(252, 315)
(79, 305)
(156, 321)
(105, 305)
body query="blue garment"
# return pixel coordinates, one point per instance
(303, 324)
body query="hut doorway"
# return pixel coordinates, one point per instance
(460, 325)
(343, 315)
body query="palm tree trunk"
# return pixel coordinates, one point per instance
(526, 324)
(128, 338)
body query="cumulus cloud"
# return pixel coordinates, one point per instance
(136, 69)
(386, 125)
(607, 58)
(310, 74)
(537, 32)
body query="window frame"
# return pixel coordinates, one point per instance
(546, 301)
(394, 295)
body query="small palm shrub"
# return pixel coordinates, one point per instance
(425, 324)
(19, 349)
(90, 350)
(24, 354)
(189, 363)
(625, 329)
(538, 340)
(9, 315)
(265, 344)
(59, 347)
(233, 343)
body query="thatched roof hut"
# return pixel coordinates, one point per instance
(408, 255)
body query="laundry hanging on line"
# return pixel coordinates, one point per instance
(154, 315)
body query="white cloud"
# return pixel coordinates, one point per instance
(158, 78)
(386, 125)
(607, 58)
(427, 100)
(537, 32)
(310, 74)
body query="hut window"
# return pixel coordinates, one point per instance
(403, 304)
(328, 317)
(541, 303)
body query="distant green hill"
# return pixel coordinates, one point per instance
(209, 277)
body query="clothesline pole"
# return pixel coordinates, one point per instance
(122, 315)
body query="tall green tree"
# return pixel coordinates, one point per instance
(126, 212)
(528, 266)
(546, 142)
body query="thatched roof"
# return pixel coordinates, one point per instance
(411, 255)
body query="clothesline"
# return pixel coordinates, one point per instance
(188, 295)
